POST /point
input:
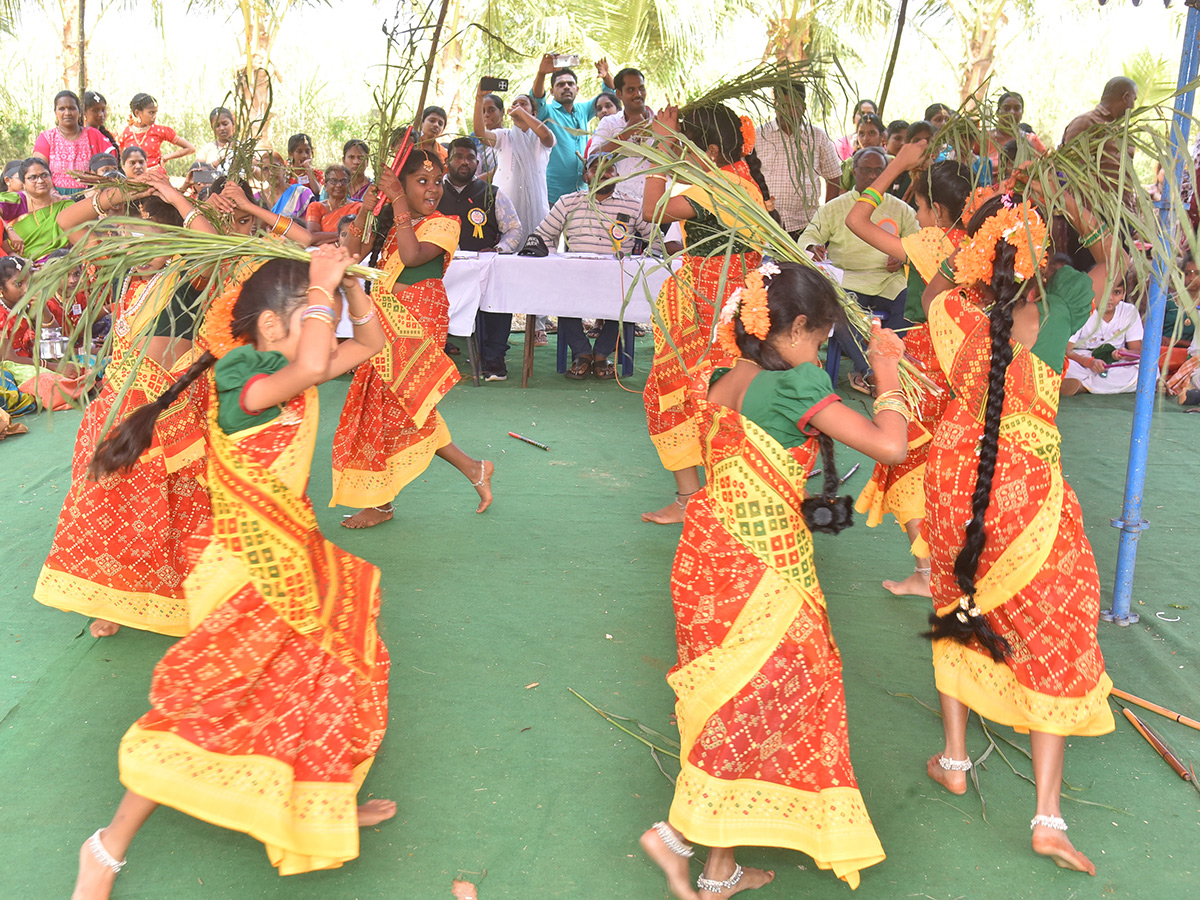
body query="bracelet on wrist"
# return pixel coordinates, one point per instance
(363, 320)
(946, 270)
(325, 291)
(190, 217)
(276, 230)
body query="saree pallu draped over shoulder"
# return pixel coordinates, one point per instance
(1037, 582)
(685, 354)
(120, 550)
(267, 716)
(760, 699)
(390, 429)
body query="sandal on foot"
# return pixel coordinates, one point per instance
(580, 368)
(858, 381)
(603, 369)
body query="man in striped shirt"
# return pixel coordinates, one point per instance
(607, 223)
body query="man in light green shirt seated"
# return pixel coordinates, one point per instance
(876, 279)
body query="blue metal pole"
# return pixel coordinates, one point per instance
(1131, 522)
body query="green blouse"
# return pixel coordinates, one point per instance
(1068, 304)
(781, 403)
(233, 373)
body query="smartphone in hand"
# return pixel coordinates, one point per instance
(493, 85)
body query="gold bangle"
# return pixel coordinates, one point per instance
(362, 320)
(894, 393)
(275, 228)
(322, 290)
(190, 217)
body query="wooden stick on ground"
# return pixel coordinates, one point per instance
(1155, 708)
(1158, 744)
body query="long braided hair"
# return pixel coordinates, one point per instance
(720, 125)
(966, 622)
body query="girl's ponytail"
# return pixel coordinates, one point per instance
(755, 166)
(125, 444)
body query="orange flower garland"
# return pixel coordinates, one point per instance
(727, 339)
(748, 136)
(218, 320)
(753, 311)
(1018, 224)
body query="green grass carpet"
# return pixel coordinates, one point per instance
(561, 584)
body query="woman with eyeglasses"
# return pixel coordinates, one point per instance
(30, 215)
(322, 217)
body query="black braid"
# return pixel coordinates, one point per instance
(755, 165)
(1006, 290)
(125, 444)
(383, 224)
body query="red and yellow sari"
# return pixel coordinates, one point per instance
(760, 700)
(267, 716)
(1037, 581)
(390, 428)
(688, 305)
(119, 552)
(900, 489)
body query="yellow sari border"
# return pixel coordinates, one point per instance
(363, 488)
(305, 825)
(992, 690)
(135, 609)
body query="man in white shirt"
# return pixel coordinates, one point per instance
(798, 159)
(631, 124)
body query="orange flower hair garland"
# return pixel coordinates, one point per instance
(1022, 227)
(748, 303)
(748, 136)
(218, 321)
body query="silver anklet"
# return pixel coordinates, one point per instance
(718, 887)
(919, 571)
(482, 473)
(681, 499)
(107, 859)
(1055, 822)
(666, 834)
(954, 765)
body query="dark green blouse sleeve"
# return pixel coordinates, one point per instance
(783, 403)
(1069, 297)
(233, 373)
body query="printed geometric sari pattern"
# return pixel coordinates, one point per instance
(1037, 580)
(389, 429)
(267, 715)
(120, 551)
(760, 699)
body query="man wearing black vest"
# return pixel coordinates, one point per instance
(489, 223)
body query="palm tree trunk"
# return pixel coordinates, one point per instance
(887, 79)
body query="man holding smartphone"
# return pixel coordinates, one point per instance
(564, 173)
(632, 124)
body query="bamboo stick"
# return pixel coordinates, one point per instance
(1155, 708)
(1158, 744)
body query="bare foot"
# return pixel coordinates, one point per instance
(369, 517)
(484, 486)
(674, 866)
(95, 880)
(1054, 843)
(915, 585)
(375, 811)
(954, 782)
(751, 879)
(671, 514)
(104, 628)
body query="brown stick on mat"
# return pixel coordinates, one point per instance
(1158, 744)
(1155, 708)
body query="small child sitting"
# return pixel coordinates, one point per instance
(1098, 359)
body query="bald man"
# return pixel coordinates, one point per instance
(1120, 95)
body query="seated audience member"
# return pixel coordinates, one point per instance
(609, 223)
(489, 222)
(133, 162)
(30, 216)
(12, 176)
(876, 279)
(322, 218)
(1093, 364)
(105, 165)
(897, 134)
(871, 133)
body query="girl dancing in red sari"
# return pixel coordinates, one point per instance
(760, 701)
(941, 191)
(713, 268)
(390, 429)
(267, 715)
(1016, 593)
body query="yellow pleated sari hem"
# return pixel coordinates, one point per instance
(679, 448)
(135, 609)
(992, 690)
(831, 826)
(305, 826)
(362, 488)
